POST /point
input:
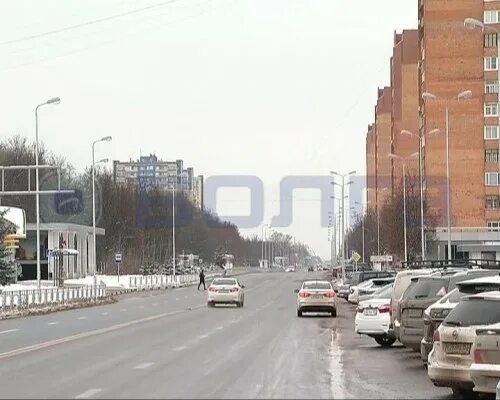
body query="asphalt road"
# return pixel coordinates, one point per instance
(170, 345)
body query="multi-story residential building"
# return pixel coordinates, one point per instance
(405, 101)
(383, 144)
(454, 59)
(150, 172)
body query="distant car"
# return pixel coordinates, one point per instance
(290, 269)
(373, 318)
(225, 291)
(316, 296)
(453, 353)
(310, 269)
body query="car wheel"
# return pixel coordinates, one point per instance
(334, 313)
(210, 304)
(385, 340)
(299, 313)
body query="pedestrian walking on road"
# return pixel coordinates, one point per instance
(202, 280)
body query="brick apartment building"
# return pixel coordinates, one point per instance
(451, 60)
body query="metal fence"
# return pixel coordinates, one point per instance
(18, 300)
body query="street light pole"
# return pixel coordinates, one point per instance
(54, 100)
(173, 225)
(94, 255)
(362, 227)
(466, 94)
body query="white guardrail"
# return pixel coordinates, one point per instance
(145, 282)
(17, 300)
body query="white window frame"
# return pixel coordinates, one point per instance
(491, 87)
(489, 62)
(491, 16)
(491, 109)
(493, 226)
(489, 129)
(491, 156)
(488, 181)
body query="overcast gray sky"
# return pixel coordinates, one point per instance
(255, 87)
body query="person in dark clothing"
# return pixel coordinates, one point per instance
(202, 280)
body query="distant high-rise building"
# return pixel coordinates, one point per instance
(150, 172)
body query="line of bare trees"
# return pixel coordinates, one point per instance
(137, 224)
(391, 219)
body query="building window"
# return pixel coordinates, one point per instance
(490, 40)
(492, 202)
(491, 156)
(491, 109)
(491, 87)
(491, 178)
(491, 132)
(491, 16)
(490, 63)
(493, 226)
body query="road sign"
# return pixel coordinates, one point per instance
(355, 256)
(118, 257)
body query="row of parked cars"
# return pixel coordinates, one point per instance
(448, 313)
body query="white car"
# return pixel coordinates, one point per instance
(373, 318)
(225, 291)
(367, 287)
(453, 352)
(316, 296)
(485, 372)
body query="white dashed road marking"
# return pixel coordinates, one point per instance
(82, 318)
(123, 310)
(8, 331)
(53, 323)
(144, 365)
(89, 393)
(104, 313)
(180, 348)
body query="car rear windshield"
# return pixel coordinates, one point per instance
(426, 288)
(471, 275)
(471, 312)
(219, 282)
(317, 286)
(383, 293)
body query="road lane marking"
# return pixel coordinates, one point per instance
(201, 337)
(154, 304)
(144, 365)
(53, 323)
(89, 393)
(82, 318)
(179, 348)
(176, 299)
(83, 335)
(219, 328)
(123, 310)
(105, 313)
(8, 331)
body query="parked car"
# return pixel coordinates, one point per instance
(452, 354)
(377, 293)
(438, 311)
(316, 296)
(359, 277)
(485, 371)
(401, 283)
(367, 287)
(373, 318)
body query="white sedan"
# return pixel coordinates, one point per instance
(316, 296)
(225, 291)
(373, 318)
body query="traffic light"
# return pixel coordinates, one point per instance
(11, 242)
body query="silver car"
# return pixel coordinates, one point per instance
(316, 296)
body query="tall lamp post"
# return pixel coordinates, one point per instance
(54, 100)
(378, 219)
(343, 176)
(362, 226)
(421, 176)
(94, 256)
(466, 94)
(404, 160)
